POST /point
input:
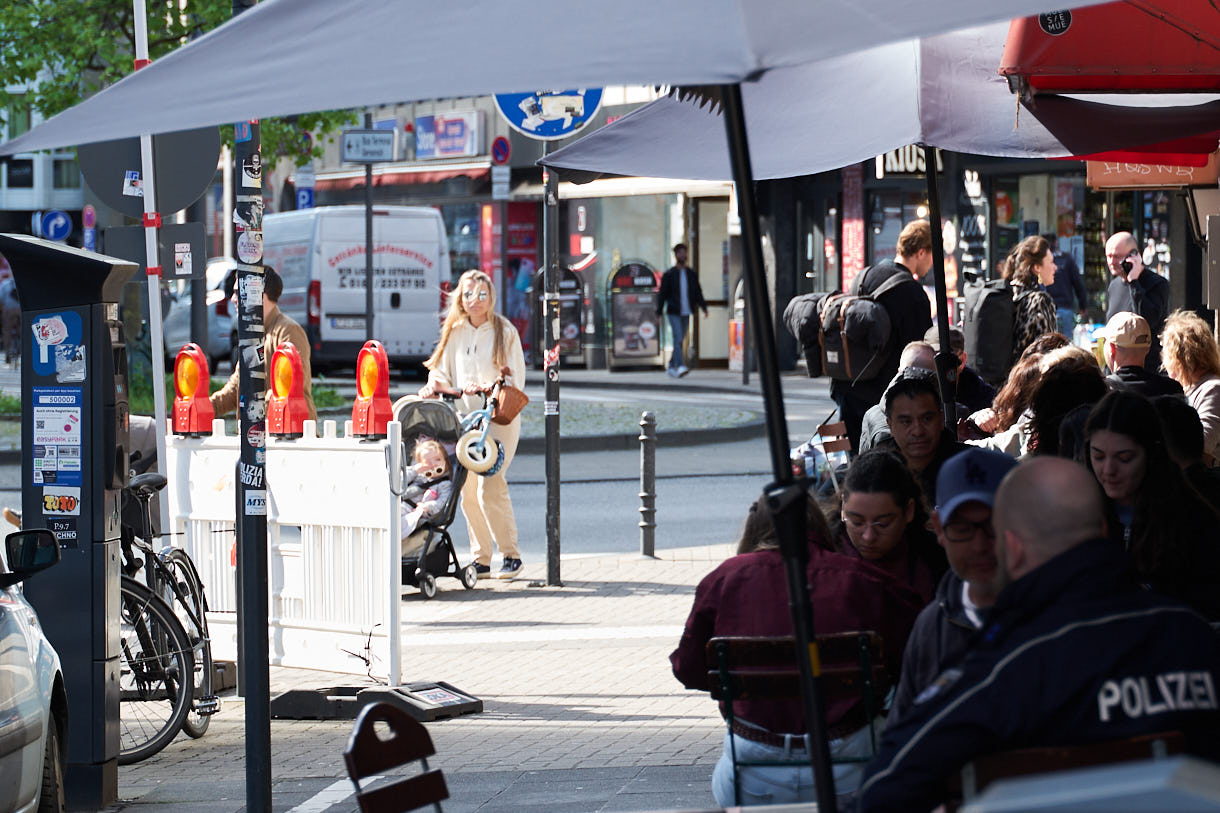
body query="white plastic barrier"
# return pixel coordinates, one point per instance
(333, 543)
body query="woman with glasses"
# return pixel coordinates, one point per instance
(476, 346)
(1170, 532)
(882, 521)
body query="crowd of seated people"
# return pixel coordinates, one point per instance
(1070, 548)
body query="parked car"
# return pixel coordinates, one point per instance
(33, 702)
(176, 322)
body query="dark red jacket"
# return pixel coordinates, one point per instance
(748, 595)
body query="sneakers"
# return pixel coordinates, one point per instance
(672, 372)
(484, 571)
(683, 370)
(511, 569)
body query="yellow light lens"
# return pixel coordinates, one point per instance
(281, 380)
(367, 375)
(186, 377)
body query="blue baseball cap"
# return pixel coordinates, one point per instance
(970, 476)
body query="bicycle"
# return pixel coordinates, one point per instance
(473, 450)
(171, 576)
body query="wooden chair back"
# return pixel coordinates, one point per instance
(764, 667)
(369, 754)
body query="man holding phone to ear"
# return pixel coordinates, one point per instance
(1137, 289)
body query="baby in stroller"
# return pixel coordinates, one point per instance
(428, 487)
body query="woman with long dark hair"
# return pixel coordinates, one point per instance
(882, 520)
(1170, 532)
(1031, 267)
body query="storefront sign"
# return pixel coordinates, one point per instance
(449, 135)
(853, 223)
(905, 161)
(1121, 175)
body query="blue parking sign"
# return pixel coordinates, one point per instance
(305, 197)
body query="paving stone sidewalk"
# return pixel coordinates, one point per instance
(581, 711)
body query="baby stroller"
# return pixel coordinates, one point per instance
(437, 557)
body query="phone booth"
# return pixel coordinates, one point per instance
(571, 318)
(635, 327)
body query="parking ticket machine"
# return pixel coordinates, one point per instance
(74, 424)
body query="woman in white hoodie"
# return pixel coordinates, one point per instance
(477, 345)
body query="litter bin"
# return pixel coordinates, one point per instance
(571, 319)
(635, 328)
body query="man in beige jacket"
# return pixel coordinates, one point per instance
(278, 328)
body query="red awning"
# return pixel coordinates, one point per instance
(399, 177)
(1130, 46)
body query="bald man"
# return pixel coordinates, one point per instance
(1073, 651)
(1137, 289)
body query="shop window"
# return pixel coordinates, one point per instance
(890, 210)
(66, 173)
(21, 173)
(17, 114)
(462, 227)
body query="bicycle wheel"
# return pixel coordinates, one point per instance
(191, 607)
(155, 663)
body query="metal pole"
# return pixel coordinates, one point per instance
(368, 241)
(746, 344)
(648, 485)
(786, 496)
(152, 225)
(196, 213)
(946, 360)
(252, 384)
(550, 350)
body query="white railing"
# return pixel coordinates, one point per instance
(333, 545)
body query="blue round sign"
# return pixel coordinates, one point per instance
(549, 115)
(56, 225)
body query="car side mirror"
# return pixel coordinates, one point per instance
(28, 552)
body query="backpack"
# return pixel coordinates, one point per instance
(988, 326)
(856, 333)
(803, 320)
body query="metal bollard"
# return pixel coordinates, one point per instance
(648, 484)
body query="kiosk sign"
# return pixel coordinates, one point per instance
(549, 115)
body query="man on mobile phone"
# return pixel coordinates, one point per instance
(1137, 289)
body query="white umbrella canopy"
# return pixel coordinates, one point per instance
(291, 56)
(943, 91)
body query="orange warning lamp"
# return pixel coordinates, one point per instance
(286, 409)
(372, 410)
(193, 411)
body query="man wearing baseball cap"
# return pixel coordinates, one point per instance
(1128, 338)
(965, 493)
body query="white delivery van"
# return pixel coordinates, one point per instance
(320, 255)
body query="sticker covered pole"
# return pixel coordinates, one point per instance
(550, 345)
(252, 487)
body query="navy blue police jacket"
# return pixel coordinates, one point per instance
(1074, 652)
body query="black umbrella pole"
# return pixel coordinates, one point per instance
(946, 359)
(786, 496)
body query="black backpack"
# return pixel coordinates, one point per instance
(856, 331)
(803, 320)
(987, 325)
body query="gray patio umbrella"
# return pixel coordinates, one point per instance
(320, 54)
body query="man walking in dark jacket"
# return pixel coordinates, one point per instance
(910, 317)
(680, 294)
(965, 493)
(1073, 652)
(1068, 289)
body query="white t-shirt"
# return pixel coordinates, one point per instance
(972, 609)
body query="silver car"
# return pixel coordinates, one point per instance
(176, 321)
(33, 703)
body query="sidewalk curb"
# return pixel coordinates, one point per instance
(685, 437)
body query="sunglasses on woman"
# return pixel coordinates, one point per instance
(480, 294)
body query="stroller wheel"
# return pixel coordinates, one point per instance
(470, 577)
(427, 585)
(472, 457)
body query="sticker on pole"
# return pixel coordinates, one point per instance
(548, 115)
(255, 436)
(256, 503)
(61, 500)
(59, 352)
(132, 187)
(250, 246)
(183, 265)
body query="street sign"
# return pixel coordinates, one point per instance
(500, 151)
(367, 146)
(305, 197)
(185, 166)
(549, 115)
(88, 216)
(56, 225)
(500, 177)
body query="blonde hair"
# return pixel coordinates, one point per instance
(1189, 347)
(425, 445)
(914, 237)
(457, 314)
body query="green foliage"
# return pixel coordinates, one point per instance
(10, 405)
(327, 398)
(73, 48)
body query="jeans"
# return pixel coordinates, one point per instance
(1067, 321)
(783, 784)
(677, 324)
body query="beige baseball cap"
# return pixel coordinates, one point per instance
(1127, 329)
